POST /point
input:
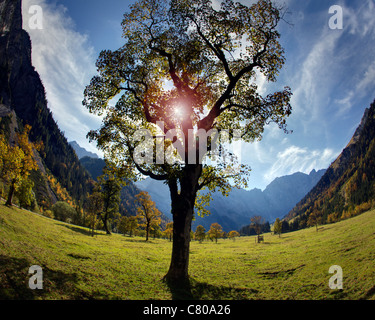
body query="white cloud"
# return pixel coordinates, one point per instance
(360, 21)
(296, 159)
(65, 61)
(315, 77)
(360, 24)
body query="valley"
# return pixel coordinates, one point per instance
(291, 267)
(176, 77)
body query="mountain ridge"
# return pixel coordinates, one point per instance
(235, 211)
(348, 186)
(82, 152)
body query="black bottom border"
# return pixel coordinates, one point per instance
(187, 309)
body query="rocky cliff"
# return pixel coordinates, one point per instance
(22, 91)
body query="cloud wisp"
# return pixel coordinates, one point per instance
(65, 61)
(296, 159)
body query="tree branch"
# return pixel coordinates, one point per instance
(150, 174)
(215, 48)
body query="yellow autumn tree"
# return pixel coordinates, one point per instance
(147, 213)
(216, 231)
(233, 235)
(17, 161)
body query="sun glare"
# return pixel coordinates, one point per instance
(178, 112)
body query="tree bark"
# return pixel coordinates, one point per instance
(147, 229)
(12, 189)
(105, 223)
(182, 210)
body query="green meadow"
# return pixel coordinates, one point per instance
(78, 266)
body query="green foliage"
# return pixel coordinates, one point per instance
(200, 233)
(277, 227)
(26, 195)
(94, 207)
(255, 228)
(109, 185)
(64, 212)
(128, 225)
(5, 126)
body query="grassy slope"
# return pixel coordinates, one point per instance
(78, 266)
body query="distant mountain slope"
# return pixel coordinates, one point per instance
(127, 197)
(22, 91)
(235, 211)
(348, 186)
(82, 152)
(93, 166)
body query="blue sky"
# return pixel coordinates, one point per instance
(331, 73)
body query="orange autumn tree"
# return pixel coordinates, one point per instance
(216, 231)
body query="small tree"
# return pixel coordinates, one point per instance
(17, 161)
(110, 186)
(63, 211)
(216, 231)
(128, 225)
(94, 208)
(315, 218)
(233, 234)
(122, 225)
(133, 225)
(148, 214)
(257, 223)
(26, 195)
(168, 233)
(277, 227)
(200, 233)
(11, 158)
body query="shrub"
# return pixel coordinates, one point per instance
(63, 211)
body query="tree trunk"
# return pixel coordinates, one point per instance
(12, 188)
(105, 223)
(182, 211)
(147, 229)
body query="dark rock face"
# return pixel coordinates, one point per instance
(19, 82)
(10, 15)
(22, 91)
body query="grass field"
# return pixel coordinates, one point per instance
(78, 266)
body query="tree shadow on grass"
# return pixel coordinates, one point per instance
(14, 282)
(83, 231)
(205, 291)
(128, 239)
(195, 290)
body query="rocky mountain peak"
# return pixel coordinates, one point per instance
(10, 15)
